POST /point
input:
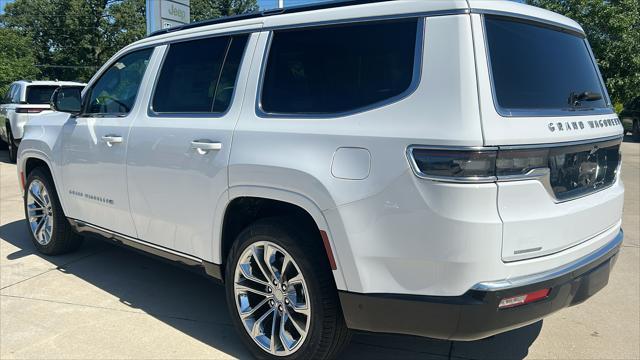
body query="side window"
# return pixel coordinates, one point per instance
(116, 90)
(15, 94)
(335, 69)
(199, 76)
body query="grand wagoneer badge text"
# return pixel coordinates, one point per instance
(581, 125)
(97, 198)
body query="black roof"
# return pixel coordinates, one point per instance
(257, 14)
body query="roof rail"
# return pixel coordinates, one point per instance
(257, 14)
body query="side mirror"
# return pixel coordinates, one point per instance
(67, 99)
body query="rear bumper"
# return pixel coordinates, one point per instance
(475, 314)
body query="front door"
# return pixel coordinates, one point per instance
(95, 146)
(179, 150)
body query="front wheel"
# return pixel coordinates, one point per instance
(281, 294)
(50, 231)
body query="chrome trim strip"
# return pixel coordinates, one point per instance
(415, 81)
(562, 144)
(560, 271)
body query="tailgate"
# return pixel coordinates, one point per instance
(545, 106)
(573, 199)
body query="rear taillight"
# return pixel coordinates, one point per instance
(523, 299)
(30, 110)
(454, 165)
(520, 162)
(474, 165)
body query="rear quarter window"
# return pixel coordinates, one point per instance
(340, 68)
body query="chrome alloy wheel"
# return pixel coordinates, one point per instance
(271, 298)
(40, 212)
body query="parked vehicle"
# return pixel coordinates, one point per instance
(631, 118)
(447, 169)
(23, 100)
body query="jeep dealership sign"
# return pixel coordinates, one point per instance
(162, 14)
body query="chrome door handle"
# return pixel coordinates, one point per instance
(204, 146)
(112, 139)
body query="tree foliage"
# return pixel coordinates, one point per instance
(17, 59)
(211, 9)
(71, 39)
(613, 30)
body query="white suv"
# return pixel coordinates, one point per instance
(447, 169)
(23, 100)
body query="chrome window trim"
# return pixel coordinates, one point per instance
(198, 115)
(539, 174)
(499, 285)
(515, 113)
(413, 86)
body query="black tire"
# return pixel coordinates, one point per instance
(11, 144)
(635, 130)
(63, 238)
(328, 333)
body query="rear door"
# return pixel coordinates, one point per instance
(179, 149)
(544, 105)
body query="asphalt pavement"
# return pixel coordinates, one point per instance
(108, 302)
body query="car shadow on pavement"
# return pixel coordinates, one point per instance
(194, 305)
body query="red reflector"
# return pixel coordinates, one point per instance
(30, 110)
(523, 299)
(22, 182)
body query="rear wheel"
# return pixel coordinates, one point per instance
(281, 294)
(50, 231)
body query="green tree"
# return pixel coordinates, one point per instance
(211, 9)
(72, 38)
(17, 60)
(613, 30)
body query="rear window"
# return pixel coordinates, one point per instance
(335, 69)
(39, 94)
(540, 68)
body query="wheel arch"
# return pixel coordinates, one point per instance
(32, 159)
(276, 202)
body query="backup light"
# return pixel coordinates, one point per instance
(520, 300)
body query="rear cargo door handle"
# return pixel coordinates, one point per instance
(112, 139)
(203, 146)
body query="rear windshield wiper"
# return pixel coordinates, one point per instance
(576, 98)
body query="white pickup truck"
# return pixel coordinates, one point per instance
(448, 169)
